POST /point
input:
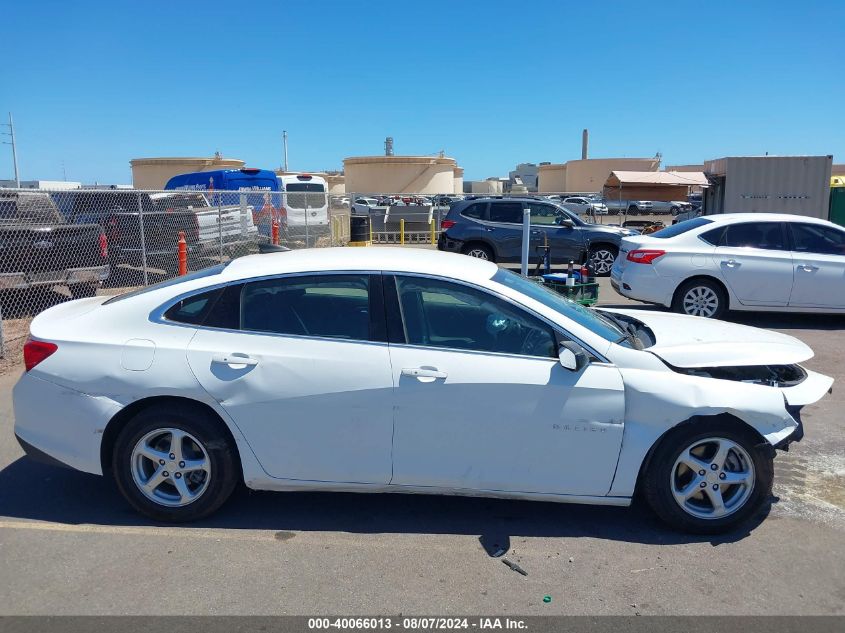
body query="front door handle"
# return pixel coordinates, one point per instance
(808, 268)
(731, 263)
(489, 228)
(234, 359)
(424, 372)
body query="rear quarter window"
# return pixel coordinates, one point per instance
(475, 211)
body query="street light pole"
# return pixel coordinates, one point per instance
(285, 143)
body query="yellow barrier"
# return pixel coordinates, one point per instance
(402, 230)
(433, 240)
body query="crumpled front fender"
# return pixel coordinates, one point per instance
(657, 401)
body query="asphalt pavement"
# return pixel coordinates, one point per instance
(69, 544)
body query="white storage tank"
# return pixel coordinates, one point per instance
(400, 174)
(458, 179)
(153, 173)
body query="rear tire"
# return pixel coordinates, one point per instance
(675, 491)
(188, 465)
(701, 297)
(481, 251)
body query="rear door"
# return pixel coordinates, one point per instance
(754, 260)
(818, 254)
(504, 229)
(301, 366)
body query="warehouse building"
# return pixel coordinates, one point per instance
(587, 174)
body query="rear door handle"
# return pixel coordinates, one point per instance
(234, 359)
(808, 268)
(424, 372)
(489, 228)
(731, 263)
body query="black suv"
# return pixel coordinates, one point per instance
(491, 228)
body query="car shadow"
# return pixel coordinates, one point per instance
(34, 491)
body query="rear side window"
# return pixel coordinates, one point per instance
(681, 227)
(333, 306)
(506, 212)
(475, 211)
(815, 238)
(219, 308)
(764, 235)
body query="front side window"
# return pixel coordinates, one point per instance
(764, 235)
(333, 306)
(544, 214)
(510, 212)
(815, 238)
(438, 313)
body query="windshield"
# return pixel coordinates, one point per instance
(586, 317)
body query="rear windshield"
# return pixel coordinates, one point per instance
(681, 227)
(205, 272)
(305, 186)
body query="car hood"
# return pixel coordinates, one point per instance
(688, 341)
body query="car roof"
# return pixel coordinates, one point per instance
(727, 218)
(411, 260)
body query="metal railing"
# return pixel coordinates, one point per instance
(56, 245)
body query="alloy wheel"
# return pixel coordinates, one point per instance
(170, 467)
(480, 253)
(701, 301)
(602, 261)
(712, 478)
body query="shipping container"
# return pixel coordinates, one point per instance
(769, 184)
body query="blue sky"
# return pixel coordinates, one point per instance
(93, 84)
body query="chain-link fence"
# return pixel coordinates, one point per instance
(56, 245)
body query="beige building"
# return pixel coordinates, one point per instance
(551, 177)
(400, 174)
(153, 173)
(336, 184)
(837, 170)
(588, 174)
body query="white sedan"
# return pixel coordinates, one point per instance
(739, 261)
(394, 370)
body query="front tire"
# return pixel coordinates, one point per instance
(701, 297)
(602, 257)
(736, 483)
(172, 463)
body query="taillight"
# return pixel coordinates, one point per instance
(644, 255)
(36, 351)
(447, 224)
(104, 246)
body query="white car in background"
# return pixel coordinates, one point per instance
(406, 370)
(585, 206)
(740, 261)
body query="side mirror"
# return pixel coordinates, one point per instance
(561, 221)
(572, 357)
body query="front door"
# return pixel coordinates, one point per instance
(307, 377)
(483, 404)
(755, 262)
(565, 242)
(818, 254)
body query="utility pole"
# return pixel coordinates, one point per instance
(11, 133)
(285, 143)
